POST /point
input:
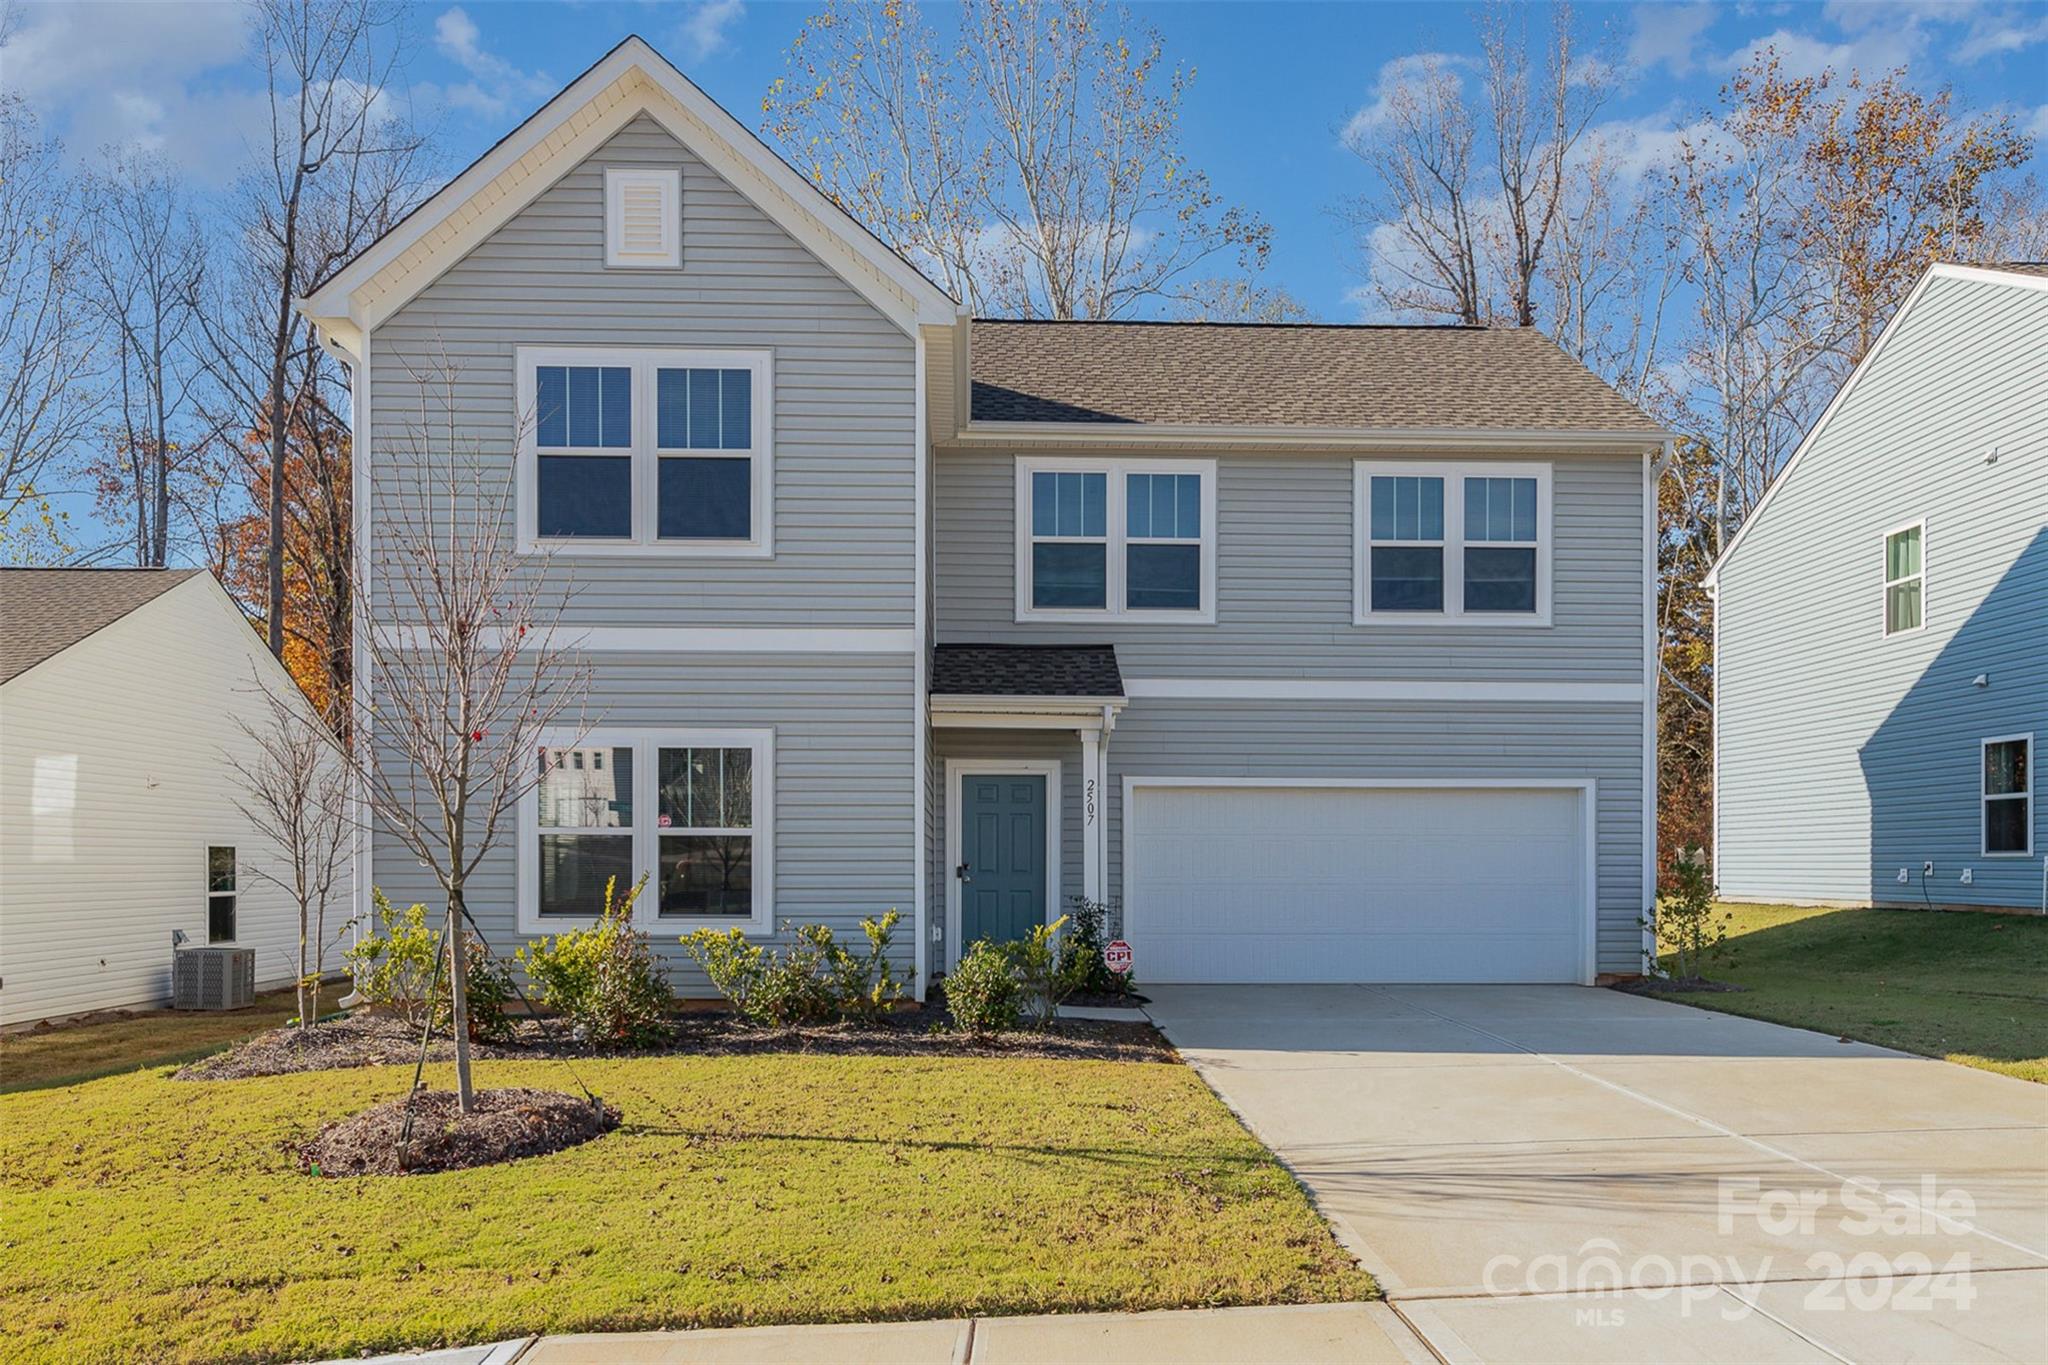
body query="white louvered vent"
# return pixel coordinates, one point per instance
(642, 217)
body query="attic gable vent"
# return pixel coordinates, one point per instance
(642, 217)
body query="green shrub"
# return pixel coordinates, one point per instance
(1689, 925)
(1036, 959)
(1081, 964)
(983, 991)
(604, 980)
(487, 997)
(812, 981)
(394, 968)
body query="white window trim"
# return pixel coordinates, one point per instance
(1984, 798)
(1115, 540)
(207, 893)
(1454, 474)
(646, 455)
(1887, 582)
(646, 833)
(670, 182)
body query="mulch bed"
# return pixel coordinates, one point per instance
(371, 1040)
(504, 1125)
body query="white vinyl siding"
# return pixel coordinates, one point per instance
(642, 212)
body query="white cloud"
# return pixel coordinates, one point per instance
(1994, 35)
(1870, 52)
(706, 31)
(1392, 76)
(142, 75)
(1669, 36)
(2037, 125)
(494, 84)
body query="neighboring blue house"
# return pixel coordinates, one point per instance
(1881, 643)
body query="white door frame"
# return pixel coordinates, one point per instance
(958, 768)
(1589, 809)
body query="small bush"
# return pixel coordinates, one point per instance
(983, 991)
(1081, 963)
(1689, 925)
(1036, 960)
(604, 980)
(812, 981)
(394, 968)
(486, 997)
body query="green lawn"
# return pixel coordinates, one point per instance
(109, 1043)
(1972, 988)
(150, 1218)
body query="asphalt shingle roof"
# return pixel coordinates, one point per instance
(45, 611)
(1367, 378)
(1026, 671)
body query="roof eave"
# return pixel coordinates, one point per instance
(1386, 438)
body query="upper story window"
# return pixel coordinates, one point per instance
(1129, 539)
(2007, 796)
(643, 217)
(1905, 578)
(1441, 542)
(645, 452)
(220, 894)
(687, 809)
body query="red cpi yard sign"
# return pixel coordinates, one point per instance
(1117, 957)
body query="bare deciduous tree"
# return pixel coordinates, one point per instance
(1034, 167)
(49, 334)
(295, 792)
(469, 667)
(146, 261)
(340, 168)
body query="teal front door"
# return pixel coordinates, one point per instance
(1002, 856)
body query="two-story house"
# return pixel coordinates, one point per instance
(1881, 623)
(1322, 653)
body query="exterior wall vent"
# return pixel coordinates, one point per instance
(213, 978)
(643, 218)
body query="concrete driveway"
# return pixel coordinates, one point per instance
(1564, 1173)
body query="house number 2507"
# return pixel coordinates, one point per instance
(1088, 800)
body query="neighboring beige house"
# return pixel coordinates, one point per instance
(120, 691)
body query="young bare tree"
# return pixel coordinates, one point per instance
(469, 668)
(146, 261)
(294, 794)
(1471, 186)
(1033, 167)
(49, 334)
(340, 167)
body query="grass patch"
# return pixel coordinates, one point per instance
(113, 1041)
(1965, 987)
(155, 1219)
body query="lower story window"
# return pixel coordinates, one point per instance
(220, 893)
(2008, 795)
(685, 809)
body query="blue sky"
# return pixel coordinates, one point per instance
(1276, 82)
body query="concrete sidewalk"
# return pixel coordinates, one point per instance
(1368, 1333)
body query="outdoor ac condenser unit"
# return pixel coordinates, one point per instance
(213, 978)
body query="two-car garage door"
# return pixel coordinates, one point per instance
(1356, 883)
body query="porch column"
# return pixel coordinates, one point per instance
(1091, 814)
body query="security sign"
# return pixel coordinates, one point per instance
(1117, 957)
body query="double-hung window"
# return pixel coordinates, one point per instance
(645, 451)
(2007, 796)
(686, 809)
(1905, 578)
(1130, 539)
(1440, 542)
(220, 893)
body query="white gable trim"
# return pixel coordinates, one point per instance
(1939, 271)
(632, 79)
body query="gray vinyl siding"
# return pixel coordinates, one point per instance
(1284, 569)
(1845, 755)
(846, 822)
(845, 398)
(1394, 740)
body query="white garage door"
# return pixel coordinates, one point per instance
(1356, 884)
